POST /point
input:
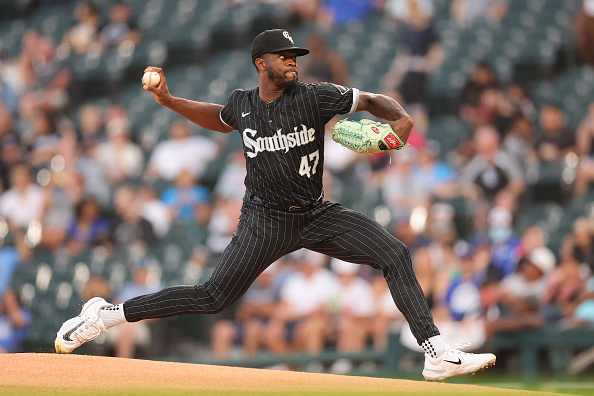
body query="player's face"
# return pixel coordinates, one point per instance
(282, 68)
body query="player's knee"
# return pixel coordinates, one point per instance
(219, 305)
(398, 254)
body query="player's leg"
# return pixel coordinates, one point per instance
(253, 248)
(351, 236)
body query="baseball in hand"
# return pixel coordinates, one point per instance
(151, 78)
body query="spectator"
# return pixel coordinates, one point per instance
(387, 318)
(187, 201)
(323, 64)
(223, 222)
(130, 229)
(44, 139)
(130, 337)
(301, 317)
(580, 243)
(88, 229)
(435, 178)
(58, 211)
(341, 12)
(421, 52)
(462, 296)
(491, 172)
(404, 196)
(92, 128)
(352, 305)
(564, 290)
(20, 206)
(84, 33)
(533, 238)
(51, 77)
(554, 139)
(88, 167)
(230, 182)
(521, 293)
(154, 210)
(252, 316)
(8, 97)
(181, 152)
(445, 261)
(584, 31)
(302, 10)
(121, 26)
(518, 144)
(504, 243)
(520, 101)
(119, 158)
(585, 150)
(15, 322)
(470, 11)
(584, 312)
(19, 74)
(10, 155)
(481, 81)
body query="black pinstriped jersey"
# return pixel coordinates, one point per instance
(283, 141)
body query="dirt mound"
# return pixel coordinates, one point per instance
(78, 374)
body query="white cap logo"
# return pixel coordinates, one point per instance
(288, 36)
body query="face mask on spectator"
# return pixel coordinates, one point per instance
(500, 234)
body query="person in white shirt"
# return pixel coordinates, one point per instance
(301, 320)
(119, 158)
(181, 152)
(521, 293)
(20, 205)
(353, 306)
(23, 202)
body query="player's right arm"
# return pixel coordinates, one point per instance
(204, 114)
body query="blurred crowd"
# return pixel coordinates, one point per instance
(72, 184)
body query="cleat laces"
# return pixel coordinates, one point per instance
(88, 331)
(458, 348)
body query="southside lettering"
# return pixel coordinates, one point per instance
(277, 142)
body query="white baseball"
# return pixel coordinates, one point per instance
(151, 78)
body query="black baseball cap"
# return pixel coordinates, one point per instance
(275, 40)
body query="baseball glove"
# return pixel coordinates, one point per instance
(366, 136)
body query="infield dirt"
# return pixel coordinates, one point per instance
(34, 374)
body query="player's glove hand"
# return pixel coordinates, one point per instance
(366, 136)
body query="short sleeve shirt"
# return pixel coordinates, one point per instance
(283, 140)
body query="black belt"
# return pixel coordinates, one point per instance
(285, 208)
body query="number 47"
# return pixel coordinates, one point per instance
(304, 168)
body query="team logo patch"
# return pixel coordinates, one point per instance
(392, 141)
(288, 37)
(374, 129)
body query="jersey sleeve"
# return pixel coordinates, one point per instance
(335, 99)
(227, 113)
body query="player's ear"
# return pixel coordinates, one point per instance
(260, 64)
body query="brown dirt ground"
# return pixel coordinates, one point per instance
(79, 374)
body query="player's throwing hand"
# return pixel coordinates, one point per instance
(160, 91)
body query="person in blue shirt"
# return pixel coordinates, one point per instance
(187, 200)
(14, 323)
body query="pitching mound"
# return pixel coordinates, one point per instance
(86, 375)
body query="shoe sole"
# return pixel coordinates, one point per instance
(60, 347)
(482, 367)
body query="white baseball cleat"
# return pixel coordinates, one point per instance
(82, 328)
(454, 362)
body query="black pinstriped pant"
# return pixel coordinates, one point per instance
(264, 235)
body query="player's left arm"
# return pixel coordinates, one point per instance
(384, 107)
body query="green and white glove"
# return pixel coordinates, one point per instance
(366, 136)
